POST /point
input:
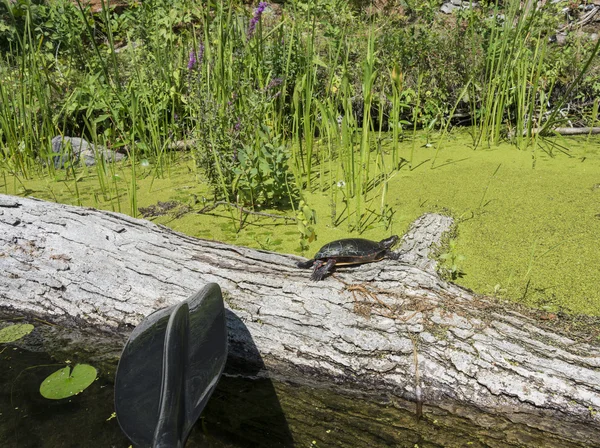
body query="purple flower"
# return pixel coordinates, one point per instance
(256, 17)
(274, 83)
(195, 58)
(238, 126)
(200, 52)
(192, 60)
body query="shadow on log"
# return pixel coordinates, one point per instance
(392, 329)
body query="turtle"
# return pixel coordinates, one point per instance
(349, 251)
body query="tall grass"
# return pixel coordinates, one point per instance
(25, 96)
(255, 79)
(517, 86)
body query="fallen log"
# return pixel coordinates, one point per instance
(565, 131)
(390, 329)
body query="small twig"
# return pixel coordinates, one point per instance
(241, 208)
(44, 322)
(367, 293)
(584, 20)
(418, 390)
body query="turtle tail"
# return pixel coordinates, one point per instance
(305, 264)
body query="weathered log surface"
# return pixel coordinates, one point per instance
(393, 328)
(566, 131)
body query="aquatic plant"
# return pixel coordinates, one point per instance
(65, 383)
(14, 332)
(306, 219)
(452, 260)
(208, 76)
(262, 175)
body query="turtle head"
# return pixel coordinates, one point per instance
(389, 242)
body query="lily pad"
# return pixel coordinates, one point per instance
(15, 332)
(65, 383)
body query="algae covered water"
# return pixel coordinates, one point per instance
(527, 230)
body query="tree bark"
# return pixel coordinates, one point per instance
(392, 328)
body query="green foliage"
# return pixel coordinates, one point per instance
(332, 15)
(14, 332)
(306, 218)
(312, 72)
(65, 382)
(262, 175)
(15, 17)
(451, 267)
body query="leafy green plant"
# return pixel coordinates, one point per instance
(452, 260)
(306, 218)
(262, 175)
(308, 71)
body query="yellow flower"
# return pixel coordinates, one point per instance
(397, 76)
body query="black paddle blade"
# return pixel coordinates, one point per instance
(169, 368)
(170, 427)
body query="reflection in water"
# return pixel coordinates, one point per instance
(243, 412)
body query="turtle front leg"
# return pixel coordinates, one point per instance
(322, 269)
(393, 255)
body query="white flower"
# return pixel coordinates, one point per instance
(341, 184)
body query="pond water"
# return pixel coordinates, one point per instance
(243, 413)
(30, 421)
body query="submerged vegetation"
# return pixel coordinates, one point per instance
(338, 117)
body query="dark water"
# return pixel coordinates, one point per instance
(244, 413)
(29, 420)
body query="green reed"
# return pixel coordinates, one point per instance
(397, 80)
(515, 86)
(369, 75)
(25, 94)
(415, 118)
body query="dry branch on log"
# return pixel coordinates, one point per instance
(104, 270)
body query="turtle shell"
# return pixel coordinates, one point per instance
(352, 250)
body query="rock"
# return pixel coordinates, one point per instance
(448, 8)
(76, 149)
(561, 38)
(453, 5)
